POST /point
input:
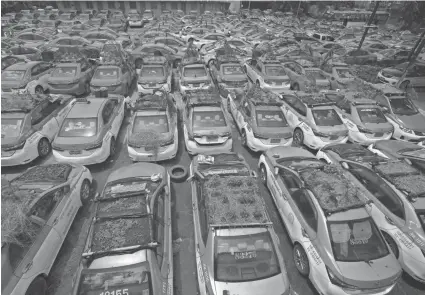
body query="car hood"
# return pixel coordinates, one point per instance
(274, 285)
(379, 127)
(377, 273)
(414, 122)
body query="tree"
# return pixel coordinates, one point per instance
(412, 13)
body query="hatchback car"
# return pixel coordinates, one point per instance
(152, 134)
(89, 131)
(337, 243)
(365, 121)
(155, 73)
(29, 127)
(206, 127)
(259, 117)
(314, 119)
(134, 208)
(237, 246)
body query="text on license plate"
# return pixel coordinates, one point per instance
(333, 137)
(379, 134)
(196, 85)
(120, 292)
(74, 152)
(274, 140)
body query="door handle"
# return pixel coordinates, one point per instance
(27, 267)
(55, 221)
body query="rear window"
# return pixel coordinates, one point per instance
(208, 119)
(371, 115)
(65, 72)
(275, 71)
(158, 123)
(271, 119)
(245, 258)
(79, 127)
(106, 74)
(327, 117)
(12, 75)
(10, 127)
(344, 73)
(152, 72)
(194, 72)
(233, 70)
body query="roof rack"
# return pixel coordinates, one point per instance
(234, 201)
(203, 97)
(333, 188)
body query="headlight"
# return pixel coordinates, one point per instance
(407, 130)
(19, 146)
(320, 134)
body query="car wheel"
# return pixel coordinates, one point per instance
(44, 147)
(298, 138)
(139, 63)
(263, 173)
(178, 173)
(39, 90)
(391, 243)
(85, 191)
(301, 260)
(112, 148)
(243, 138)
(37, 287)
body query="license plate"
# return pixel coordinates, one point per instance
(379, 134)
(212, 138)
(75, 152)
(274, 140)
(152, 84)
(333, 137)
(245, 255)
(196, 85)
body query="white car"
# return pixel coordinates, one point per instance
(194, 76)
(135, 20)
(155, 73)
(267, 74)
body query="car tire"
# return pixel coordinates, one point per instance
(85, 191)
(393, 245)
(263, 174)
(44, 147)
(243, 138)
(112, 148)
(39, 90)
(301, 260)
(178, 173)
(37, 287)
(298, 138)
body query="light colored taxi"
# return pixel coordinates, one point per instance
(89, 131)
(259, 117)
(135, 209)
(155, 73)
(194, 75)
(314, 119)
(337, 243)
(237, 248)
(206, 127)
(152, 134)
(29, 125)
(52, 196)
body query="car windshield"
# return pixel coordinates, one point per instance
(356, 240)
(297, 163)
(403, 106)
(148, 72)
(275, 71)
(233, 70)
(326, 117)
(371, 115)
(106, 73)
(65, 72)
(194, 72)
(208, 119)
(344, 73)
(269, 118)
(245, 258)
(10, 127)
(157, 123)
(79, 127)
(11, 75)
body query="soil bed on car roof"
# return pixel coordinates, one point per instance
(137, 202)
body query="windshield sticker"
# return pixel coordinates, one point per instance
(314, 255)
(220, 171)
(358, 242)
(78, 126)
(245, 255)
(404, 240)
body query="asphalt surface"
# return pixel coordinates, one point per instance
(60, 279)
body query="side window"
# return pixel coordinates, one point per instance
(63, 42)
(317, 36)
(258, 67)
(107, 113)
(45, 207)
(38, 37)
(202, 214)
(44, 67)
(49, 108)
(305, 205)
(289, 180)
(300, 108)
(159, 212)
(75, 42)
(382, 101)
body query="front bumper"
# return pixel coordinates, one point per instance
(327, 288)
(401, 135)
(316, 143)
(164, 153)
(19, 157)
(98, 156)
(413, 262)
(76, 89)
(194, 148)
(136, 24)
(361, 138)
(277, 89)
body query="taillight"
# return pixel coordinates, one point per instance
(95, 146)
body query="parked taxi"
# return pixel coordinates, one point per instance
(155, 73)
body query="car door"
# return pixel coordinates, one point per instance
(44, 72)
(304, 227)
(86, 72)
(50, 125)
(117, 115)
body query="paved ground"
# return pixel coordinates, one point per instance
(60, 280)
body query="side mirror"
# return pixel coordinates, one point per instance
(345, 165)
(276, 170)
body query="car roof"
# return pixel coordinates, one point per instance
(23, 65)
(82, 109)
(135, 170)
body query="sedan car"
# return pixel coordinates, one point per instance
(359, 57)
(25, 52)
(32, 39)
(135, 21)
(8, 60)
(206, 128)
(28, 128)
(139, 259)
(314, 119)
(49, 198)
(117, 24)
(302, 77)
(391, 57)
(260, 120)
(155, 73)
(173, 55)
(397, 149)
(89, 131)
(194, 76)
(117, 78)
(228, 74)
(153, 134)
(414, 77)
(267, 74)
(337, 243)
(237, 247)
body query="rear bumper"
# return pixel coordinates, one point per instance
(116, 90)
(257, 145)
(136, 154)
(316, 143)
(146, 90)
(19, 157)
(98, 156)
(193, 148)
(413, 262)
